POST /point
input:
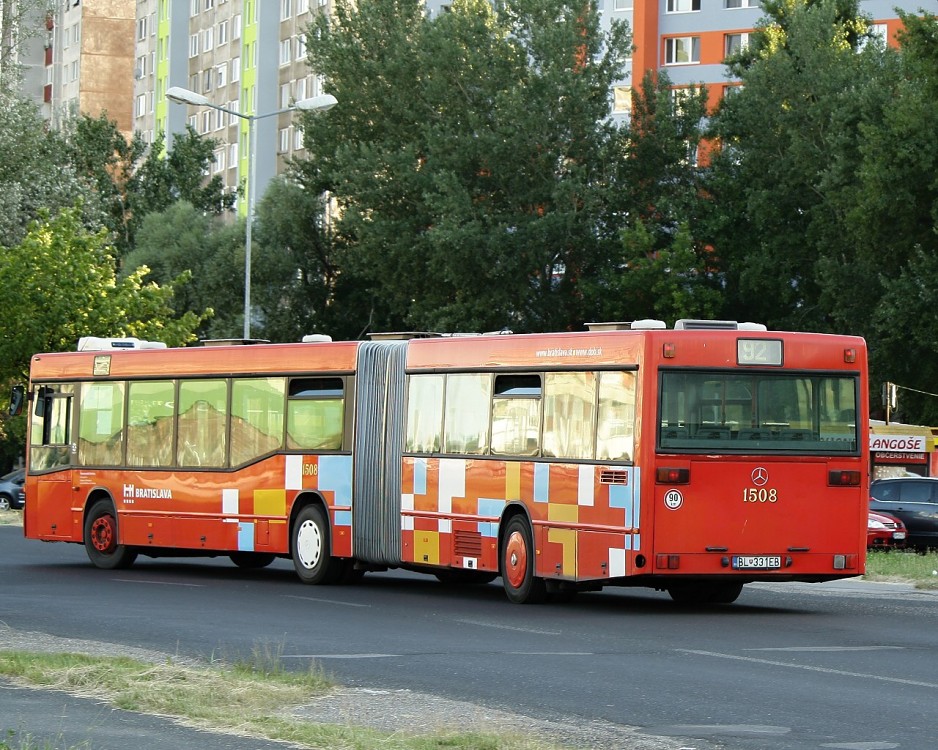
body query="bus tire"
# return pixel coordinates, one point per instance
(251, 560)
(517, 565)
(100, 537)
(310, 548)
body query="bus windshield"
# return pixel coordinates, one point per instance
(745, 412)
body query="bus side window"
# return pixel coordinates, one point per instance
(424, 414)
(516, 415)
(202, 422)
(615, 432)
(316, 414)
(101, 424)
(150, 423)
(256, 418)
(569, 414)
(51, 427)
(466, 414)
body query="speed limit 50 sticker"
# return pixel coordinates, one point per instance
(673, 499)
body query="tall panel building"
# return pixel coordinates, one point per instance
(78, 57)
(248, 56)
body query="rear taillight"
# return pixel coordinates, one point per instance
(672, 475)
(843, 478)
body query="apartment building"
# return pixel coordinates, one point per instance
(246, 56)
(249, 57)
(78, 58)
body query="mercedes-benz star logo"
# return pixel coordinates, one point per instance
(759, 476)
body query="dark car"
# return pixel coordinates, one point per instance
(914, 500)
(12, 494)
(884, 532)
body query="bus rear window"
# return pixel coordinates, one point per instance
(741, 412)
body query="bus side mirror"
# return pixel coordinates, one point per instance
(16, 400)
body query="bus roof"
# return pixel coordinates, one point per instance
(260, 359)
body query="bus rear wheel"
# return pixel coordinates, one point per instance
(100, 537)
(517, 568)
(310, 548)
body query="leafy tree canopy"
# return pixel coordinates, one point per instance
(470, 158)
(63, 281)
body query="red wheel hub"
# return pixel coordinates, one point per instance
(103, 535)
(516, 559)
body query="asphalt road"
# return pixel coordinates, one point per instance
(788, 667)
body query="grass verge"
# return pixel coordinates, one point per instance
(11, 518)
(252, 698)
(903, 566)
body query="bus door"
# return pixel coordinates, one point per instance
(48, 512)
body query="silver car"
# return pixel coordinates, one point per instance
(12, 494)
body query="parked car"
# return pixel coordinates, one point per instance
(12, 494)
(884, 532)
(914, 500)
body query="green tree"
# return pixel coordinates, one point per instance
(34, 170)
(297, 268)
(131, 179)
(896, 215)
(64, 281)
(183, 239)
(660, 269)
(784, 179)
(470, 158)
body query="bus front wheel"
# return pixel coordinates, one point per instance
(310, 549)
(100, 537)
(521, 585)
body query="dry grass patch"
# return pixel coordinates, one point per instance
(11, 518)
(248, 699)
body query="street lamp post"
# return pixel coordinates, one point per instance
(314, 104)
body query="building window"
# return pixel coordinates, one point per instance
(223, 33)
(219, 161)
(623, 4)
(141, 108)
(235, 69)
(742, 3)
(206, 121)
(193, 45)
(236, 26)
(285, 50)
(682, 50)
(221, 75)
(193, 122)
(285, 95)
(300, 89)
(233, 154)
(734, 43)
(141, 28)
(208, 39)
(209, 4)
(221, 119)
(141, 68)
(194, 7)
(284, 140)
(622, 100)
(683, 6)
(302, 6)
(297, 138)
(207, 81)
(300, 47)
(286, 9)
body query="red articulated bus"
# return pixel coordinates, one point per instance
(692, 460)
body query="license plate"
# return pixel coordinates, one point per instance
(757, 562)
(898, 535)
